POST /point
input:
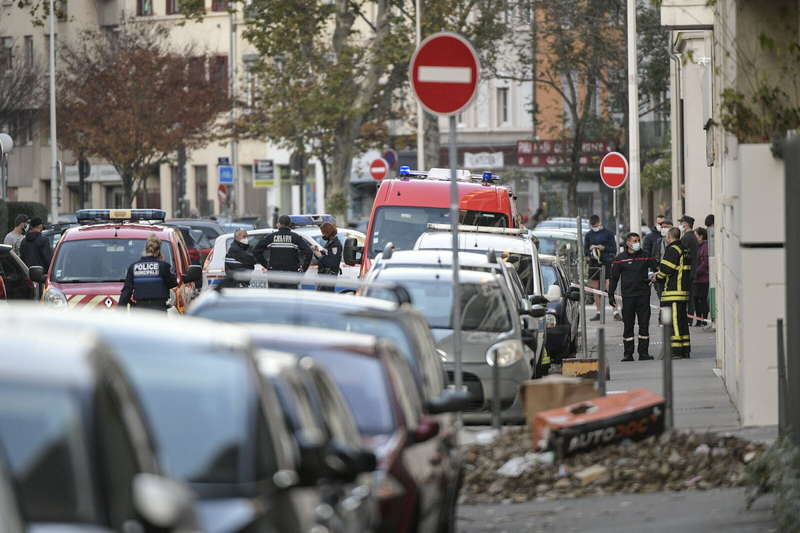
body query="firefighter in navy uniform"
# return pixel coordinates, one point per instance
(149, 279)
(631, 266)
(238, 260)
(283, 251)
(675, 272)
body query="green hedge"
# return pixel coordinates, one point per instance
(3, 217)
(32, 209)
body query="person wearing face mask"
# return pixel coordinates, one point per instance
(14, 237)
(238, 259)
(600, 247)
(676, 272)
(691, 244)
(651, 238)
(632, 267)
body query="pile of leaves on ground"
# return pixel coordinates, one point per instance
(506, 470)
(777, 471)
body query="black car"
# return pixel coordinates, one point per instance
(563, 314)
(79, 452)
(216, 424)
(15, 280)
(207, 232)
(323, 425)
(401, 324)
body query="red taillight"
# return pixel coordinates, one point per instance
(209, 257)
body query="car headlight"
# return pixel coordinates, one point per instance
(508, 352)
(55, 297)
(550, 320)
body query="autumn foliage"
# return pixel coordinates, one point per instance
(129, 98)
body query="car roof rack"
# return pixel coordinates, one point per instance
(443, 174)
(95, 216)
(479, 229)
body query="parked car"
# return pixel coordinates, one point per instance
(208, 231)
(10, 515)
(400, 324)
(491, 325)
(79, 451)
(562, 244)
(379, 387)
(15, 280)
(563, 313)
(321, 422)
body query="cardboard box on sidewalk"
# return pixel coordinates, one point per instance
(554, 391)
(583, 426)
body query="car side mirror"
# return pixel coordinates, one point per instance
(538, 311)
(553, 293)
(163, 502)
(346, 464)
(350, 251)
(193, 274)
(36, 273)
(449, 401)
(426, 430)
(538, 299)
(574, 294)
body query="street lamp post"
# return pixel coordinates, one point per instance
(54, 196)
(634, 183)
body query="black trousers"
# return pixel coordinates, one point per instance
(636, 308)
(681, 347)
(700, 295)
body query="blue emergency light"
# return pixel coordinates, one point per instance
(405, 170)
(487, 177)
(85, 216)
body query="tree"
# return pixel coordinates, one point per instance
(22, 91)
(128, 98)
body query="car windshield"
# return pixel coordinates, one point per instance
(483, 307)
(553, 245)
(362, 381)
(303, 314)
(43, 431)
(100, 260)
(549, 276)
(197, 400)
(402, 226)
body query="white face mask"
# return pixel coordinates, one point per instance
(636, 246)
(596, 228)
(664, 232)
(244, 241)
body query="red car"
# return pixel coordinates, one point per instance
(378, 384)
(91, 260)
(404, 207)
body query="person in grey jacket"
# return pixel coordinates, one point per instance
(14, 237)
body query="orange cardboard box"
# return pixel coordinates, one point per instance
(635, 415)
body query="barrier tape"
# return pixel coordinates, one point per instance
(604, 293)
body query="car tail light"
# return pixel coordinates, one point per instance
(208, 260)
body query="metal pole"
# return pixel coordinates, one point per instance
(601, 361)
(495, 394)
(782, 414)
(602, 284)
(53, 138)
(792, 204)
(420, 113)
(616, 219)
(454, 215)
(634, 188)
(238, 192)
(666, 329)
(581, 270)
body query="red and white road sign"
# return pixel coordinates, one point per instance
(379, 169)
(444, 73)
(614, 169)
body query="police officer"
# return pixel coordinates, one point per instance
(238, 260)
(330, 257)
(631, 266)
(284, 251)
(675, 272)
(149, 279)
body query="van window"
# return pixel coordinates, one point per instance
(402, 225)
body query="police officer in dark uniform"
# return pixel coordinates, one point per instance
(284, 251)
(238, 260)
(675, 271)
(631, 266)
(329, 258)
(149, 279)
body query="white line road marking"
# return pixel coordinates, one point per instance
(444, 74)
(614, 170)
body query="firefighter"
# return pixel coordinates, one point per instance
(631, 266)
(149, 280)
(675, 271)
(283, 251)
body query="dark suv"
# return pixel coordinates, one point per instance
(15, 280)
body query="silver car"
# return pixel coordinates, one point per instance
(491, 328)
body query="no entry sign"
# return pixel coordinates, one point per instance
(379, 169)
(614, 170)
(444, 73)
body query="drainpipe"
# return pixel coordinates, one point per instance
(676, 132)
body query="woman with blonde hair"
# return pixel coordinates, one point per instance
(149, 280)
(329, 258)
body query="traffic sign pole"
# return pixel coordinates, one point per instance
(454, 214)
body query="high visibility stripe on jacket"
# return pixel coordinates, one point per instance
(671, 270)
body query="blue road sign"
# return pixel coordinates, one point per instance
(225, 174)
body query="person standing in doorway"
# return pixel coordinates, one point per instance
(712, 279)
(700, 281)
(633, 267)
(675, 272)
(689, 242)
(600, 247)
